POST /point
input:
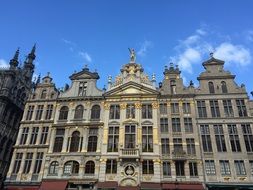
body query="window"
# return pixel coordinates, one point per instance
(251, 167)
(224, 87)
(34, 135)
(186, 108)
(206, 139)
(78, 112)
(147, 167)
(176, 125)
(90, 167)
(113, 139)
(173, 87)
(24, 135)
(17, 163)
(164, 125)
(58, 142)
(95, 112)
(228, 109)
(130, 111)
(92, 140)
(29, 113)
(178, 146)
(193, 169)
(111, 166)
(64, 113)
(239, 167)
(82, 89)
(201, 105)
(44, 134)
(39, 112)
(49, 111)
(146, 111)
(75, 140)
(224, 167)
(163, 108)
(43, 94)
(214, 108)
(28, 162)
(234, 138)
(53, 168)
(147, 139)
(130, 131)
(210, 167)
(166, 168)
(190, 146)
(211, 87)
(114, 112)
(165, 146)
(174, 108)
(71, 167)
(248, 137)
(38, 163)
(242, 111)
(179, 168)
(188, 125)
(219, 138)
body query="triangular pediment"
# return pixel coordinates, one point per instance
(84, 74)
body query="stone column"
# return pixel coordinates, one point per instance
(52, 137)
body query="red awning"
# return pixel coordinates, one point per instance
(127, 188)
(179, 186)
(107, 184)
(53, 185)
(151, 185)
(168, 186)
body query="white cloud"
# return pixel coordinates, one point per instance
(144, 48)
(85, 56)
(249, 35)
(3, 64)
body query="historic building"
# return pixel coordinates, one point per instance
(135, 135)
(15, 86)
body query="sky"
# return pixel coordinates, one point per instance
(72, 34)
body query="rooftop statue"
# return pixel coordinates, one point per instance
(132, 55)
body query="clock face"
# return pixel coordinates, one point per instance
(129, 170)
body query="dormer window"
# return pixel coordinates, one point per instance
(173, 86)
(82, 89)
(224, 87)
(43, 94)
(211, 87)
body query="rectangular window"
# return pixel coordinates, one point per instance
(164, 128)
(49, 111)
(178, 146)
(215, 111)
(147, 139)
(17, 163)
(219, 138)
(58, 140)
(130, 131)
(174, 108)
(176, 127)
(190, 146)
(111, 166)
(114, 112)
(147, 167)
(146, 111)
(82, 89)
(180, 168)
(248, 137)
(228, 109)
(163, 108)
(224, 167)
(43, 138)
(193, 169)
(29, 113)
(34, 135)
(234, 138)
(210, 167)
(188, 125)
(239, 167)
(165, 146)
(166, 168)
(39, 112)
(242, 111)
(186, 108)
(201, 105)
(38, 162)
(113, 139)
(24, 135)
(92, 140)
(206, 139)
(251, 167)
(130, 111)
(28, 162)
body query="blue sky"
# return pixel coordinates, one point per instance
(71, 34)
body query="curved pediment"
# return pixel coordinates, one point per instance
(147, 122)
(114, 123)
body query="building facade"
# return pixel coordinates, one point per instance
(135, 135)
(15, 86)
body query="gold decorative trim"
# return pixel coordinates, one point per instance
(138, 105)
(155, 105)
(123, 106)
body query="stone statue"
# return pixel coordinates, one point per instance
(132, 54)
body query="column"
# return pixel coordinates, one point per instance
(65, 140)
(52, 137)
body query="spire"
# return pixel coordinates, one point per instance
(32, 53)
(38, 79)
(14, 61)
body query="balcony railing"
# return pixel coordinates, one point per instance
(179, 154)
(129, 153)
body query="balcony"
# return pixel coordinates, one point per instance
(179, 155)
(129, 153)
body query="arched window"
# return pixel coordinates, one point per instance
(75, 139)
(53, 168)
(78, 112)
(90, 167)
(71, 167)
(43, 94)
(64, 113)
(211, 87)
(95, 112)
(224, 87)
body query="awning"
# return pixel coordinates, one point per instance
(146, 185)
(107, 184)
(128, 188)
(223, 186)
(181, 186)
(53, 185)
(22, 188)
